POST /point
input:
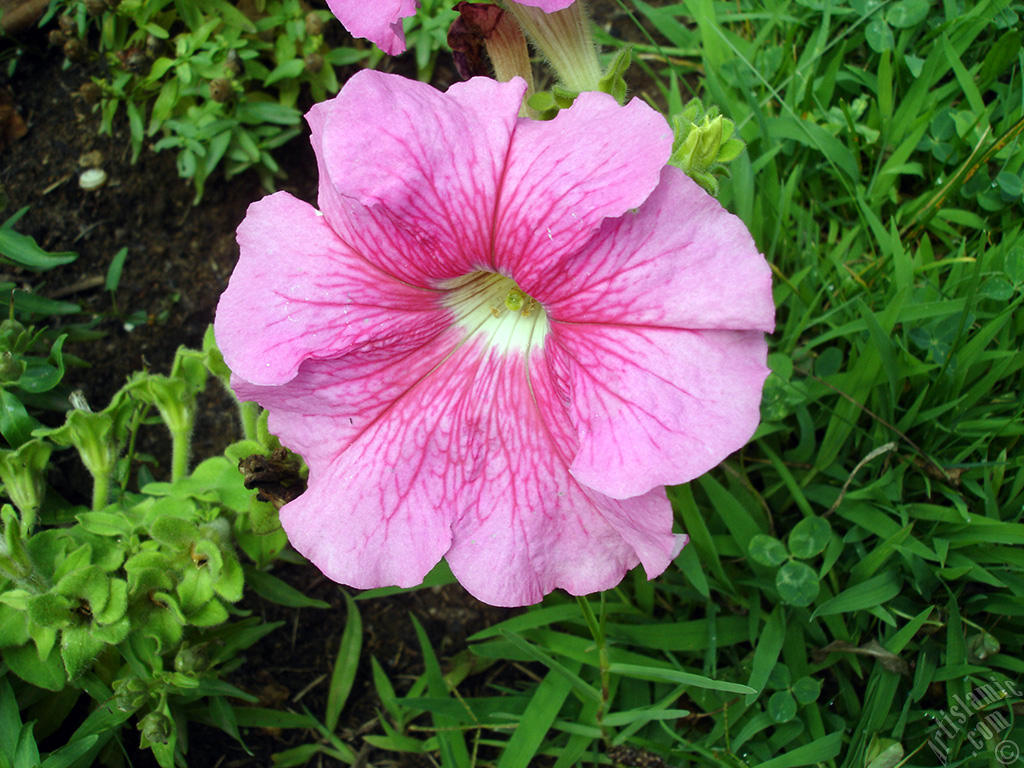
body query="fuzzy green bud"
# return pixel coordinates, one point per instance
(703, 144)
(156, 728)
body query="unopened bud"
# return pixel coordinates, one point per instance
(156, 728)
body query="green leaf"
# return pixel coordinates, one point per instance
(678, 677)
(819, 751)
(115, 269)
(797, 584)
(809, 537)
(879, 36)
(907, 13)
(869, 594)
(767, 550)
(78, 647)
(25, 251)
(806, 690)
(782, 706)
(345, 664)
(273, 589)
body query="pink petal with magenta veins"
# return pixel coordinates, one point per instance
(379, 21)
(299, 292)
(410, 175)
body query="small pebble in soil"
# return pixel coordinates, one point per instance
(92, 179)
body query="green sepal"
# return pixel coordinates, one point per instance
(613, 82)
(98, 437)
(213, 359)
(168, 603)
(703, 144)
(548, 103)
(243, 449)
(112, 634)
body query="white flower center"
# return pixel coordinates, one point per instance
(485, 303)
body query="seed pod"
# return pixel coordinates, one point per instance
(314, 24)
(314, 63)
(220, 89)
(75, 50)
(67, 25)
(57, 38)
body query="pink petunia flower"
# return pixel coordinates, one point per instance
(497, 340)
(380, 21)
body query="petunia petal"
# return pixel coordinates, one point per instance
(548, 6)
(409, 175)
(379, 21)
(657, 406)
(299, 292)
(680, 261)
(564, 177)
(464, 465)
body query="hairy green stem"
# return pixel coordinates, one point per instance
(250, 413)
(100, 490)
(180, 444)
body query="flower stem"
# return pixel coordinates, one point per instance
(180, 444)
(250, 413)
(100, 490)
(597, 631)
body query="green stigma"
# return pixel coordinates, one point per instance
(515, 299)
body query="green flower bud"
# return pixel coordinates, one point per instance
(130, 693)
(703, 144)
(191, 660)
(22, 473)
(156, 728)
(11, 367)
